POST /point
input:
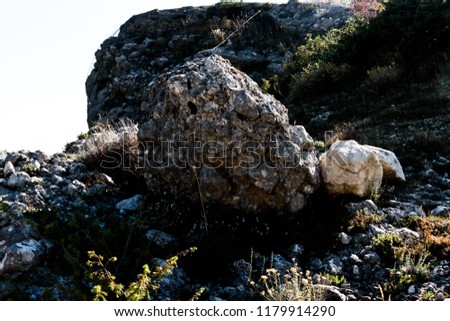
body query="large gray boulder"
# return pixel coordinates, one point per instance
(211, 133)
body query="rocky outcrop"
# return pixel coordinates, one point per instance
(211, 133)
(350, 168)
(153, 42)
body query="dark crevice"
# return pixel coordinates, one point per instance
(192, 107)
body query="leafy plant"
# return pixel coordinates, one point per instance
(335, 279)
(426, 295)
(387, 244)
(146, 285)
(382, 79)
(415, 265)
(318, 65)
(410, 269)
(29, 168)
(83, 136)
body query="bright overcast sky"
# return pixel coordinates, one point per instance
(47, 51)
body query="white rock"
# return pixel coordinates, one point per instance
(8, 169)
(441, 211)
(22, 256)
(18, 180)
(350, 168)
(36, 164)
(372, 258)
(392, 170)
(355, 258)
(407, 234)
(37, 180)
(57, 180)
(344, 238)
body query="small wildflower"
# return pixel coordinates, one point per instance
(264, 278)
(268, 271)
(305, 282)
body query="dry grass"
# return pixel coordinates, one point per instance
(293, 285)
(436, 232)
(363, 218)
(111, 146)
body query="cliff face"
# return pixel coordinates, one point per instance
(257, 40)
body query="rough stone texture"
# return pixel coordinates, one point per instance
(153, 42)
(28, 269)
(160, 239)
(215, 134)
(130, 204)
(349, 168)
(19, 251)
(9, 169)
(18, 180)
(392, 170)
(21, 256)
(441, 211)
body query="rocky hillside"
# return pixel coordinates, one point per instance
(156, 41)
(199, 184)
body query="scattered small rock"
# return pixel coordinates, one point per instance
(131, 204)
(161, 239)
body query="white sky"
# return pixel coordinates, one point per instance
(46, 52)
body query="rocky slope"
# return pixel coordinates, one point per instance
(101, 194)
(57, 208)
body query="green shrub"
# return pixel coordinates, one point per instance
(386, 244)
(146, 285)
(408, 270)
(407, 43)
(29, 168)
(382, 79)
(83, 136)
(319, 78)
(335, 279)
(77, 231)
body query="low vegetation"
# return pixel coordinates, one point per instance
(363, 218)
(144, 288)
(291, 285)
